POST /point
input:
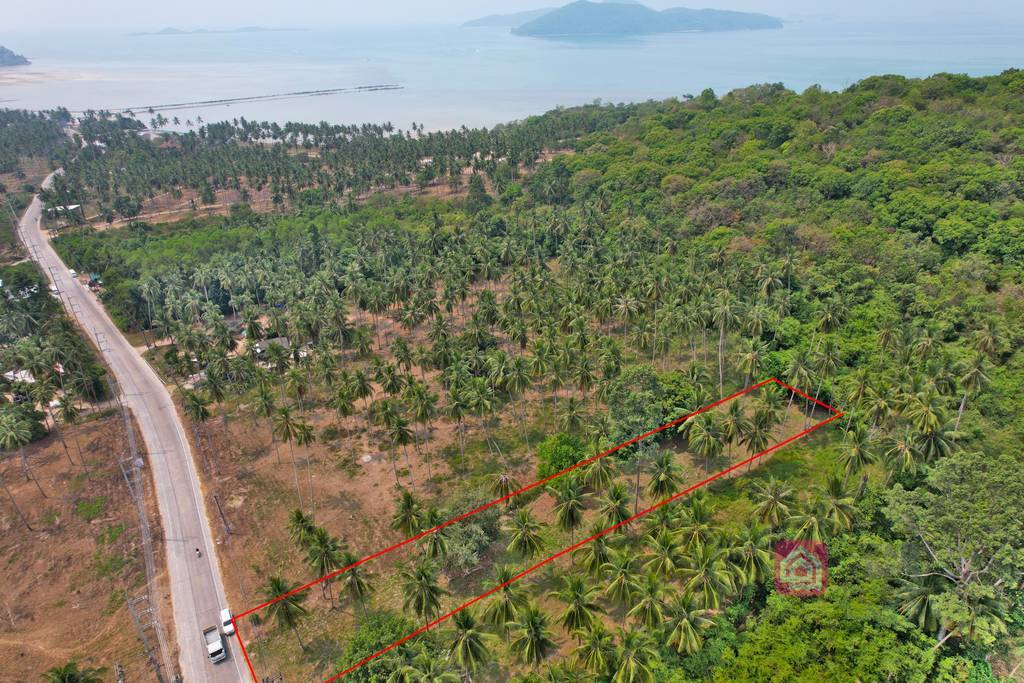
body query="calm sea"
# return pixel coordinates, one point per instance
(454, 76)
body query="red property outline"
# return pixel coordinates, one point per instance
(836, 414)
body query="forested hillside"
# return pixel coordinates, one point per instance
(866, 246)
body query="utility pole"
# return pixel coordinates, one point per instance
(223, 519)
(147, 622)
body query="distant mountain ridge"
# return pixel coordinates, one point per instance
(519, 18)
(11, 58)
(510, 20)
(622, 18)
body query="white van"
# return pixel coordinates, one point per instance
(225, 622)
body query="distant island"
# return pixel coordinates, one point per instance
(9, 58)
(171, 31)
(623, 18)
(516, 19)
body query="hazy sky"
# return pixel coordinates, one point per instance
(20, 15)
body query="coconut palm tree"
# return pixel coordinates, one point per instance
(648, 608)
(287, 428)
(353, 580)
(773, 499)
(399, 435)
(287, 609)
(918, 601)
(323, 555)
(436, 543)
(508, 600)
(687, 621)
(751, 360)
(620, 576)
(570, 502)
(696, 528)
(724, 315)
(734, 425)
(757, 432)
(593, 556)
(811, 522)
(69, 414)
(469, 643)
(706, 574)
(572, 416)
(581, 606)
(15, 433)
(265, 406)
(525, 535)
(301, 527)
(663, 555)
(750, 553)
(70, 673)
(343, 402)
(706, 438)
(362, 388)
(596, 649)
(837, 502)
(456, 409)
(902, 454)
(973, 381)
(665, 477)
(518, 379)
(600, 473)
(408, 517)
(531, 638)
(934, 443)
(420, 589)
(613, 506)
(859, 452)
(798, 373)
(424, 667)
(503, 485)
(635, 657)
(423, 407)
(305, 436)
(925, 410)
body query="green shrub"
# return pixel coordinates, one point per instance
(557, 452)
(90, 509)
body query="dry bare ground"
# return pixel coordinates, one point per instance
(65, 582)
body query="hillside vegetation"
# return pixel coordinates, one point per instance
(585, 18)
(11, 58)
(865, 245)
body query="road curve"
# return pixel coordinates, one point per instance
(197, 591)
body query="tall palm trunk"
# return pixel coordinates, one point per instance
(721, 353)
(960, 412)
(394, 466)
(298, 638)
(654, 342)
(28, 471)
(63, 443)
(273, 442)
(295, 472)
(14, 503)
(462, 444)
(636, 490)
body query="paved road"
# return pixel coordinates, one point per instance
(197, 592)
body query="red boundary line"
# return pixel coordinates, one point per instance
(835, 415)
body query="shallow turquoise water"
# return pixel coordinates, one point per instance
(453, 76)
